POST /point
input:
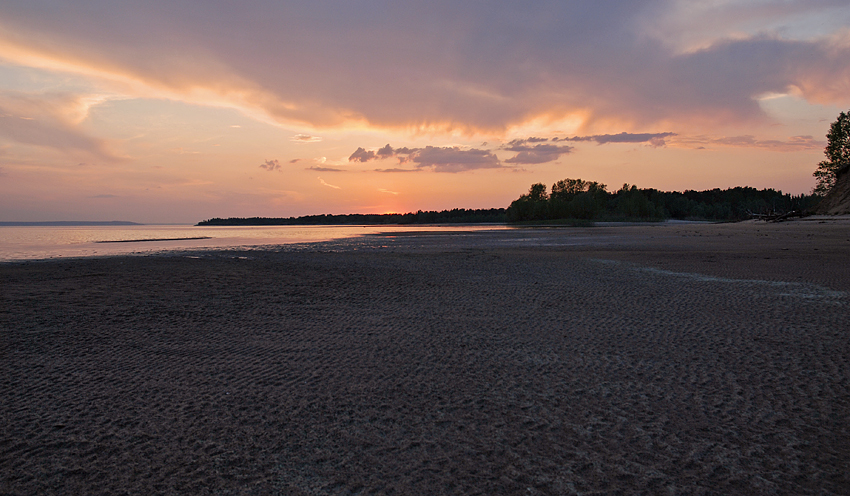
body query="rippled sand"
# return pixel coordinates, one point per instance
(674, 359)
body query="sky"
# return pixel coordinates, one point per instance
(178, 111)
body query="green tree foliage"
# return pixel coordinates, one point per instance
(837, 153)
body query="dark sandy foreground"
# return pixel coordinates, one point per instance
(659, 360)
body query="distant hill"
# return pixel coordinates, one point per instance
(71, 223)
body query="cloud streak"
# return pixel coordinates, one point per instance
(328, 185)
(397, 169)
(49, 120)
(654, 139)
(792, 144)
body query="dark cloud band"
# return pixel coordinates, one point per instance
(438, 159)
(606, 59)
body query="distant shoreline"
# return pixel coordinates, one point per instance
(454, 216)
(70, 223)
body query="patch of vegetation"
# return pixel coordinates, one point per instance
(837, 153)
(590, 201)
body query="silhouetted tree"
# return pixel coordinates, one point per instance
(576, 199)
(633, 203)
(530, 206)
(837, 153)
(565, 189)
(537, 192)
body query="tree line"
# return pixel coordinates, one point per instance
(453, 216)
(590, 200)
(574, 199)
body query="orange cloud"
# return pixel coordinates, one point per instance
(49, 120)
(423, 70)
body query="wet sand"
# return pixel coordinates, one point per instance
(674, 359)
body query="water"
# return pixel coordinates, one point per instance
(44, 242)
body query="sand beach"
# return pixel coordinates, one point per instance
(651, 359)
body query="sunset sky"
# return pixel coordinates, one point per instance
(178, 111)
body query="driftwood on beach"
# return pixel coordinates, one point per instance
(776, 217)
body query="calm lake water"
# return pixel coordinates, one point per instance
(43, 242)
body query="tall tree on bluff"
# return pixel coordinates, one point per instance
(837, 152)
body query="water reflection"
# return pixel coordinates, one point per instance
(43, 242)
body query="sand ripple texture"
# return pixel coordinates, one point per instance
(444, 371)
